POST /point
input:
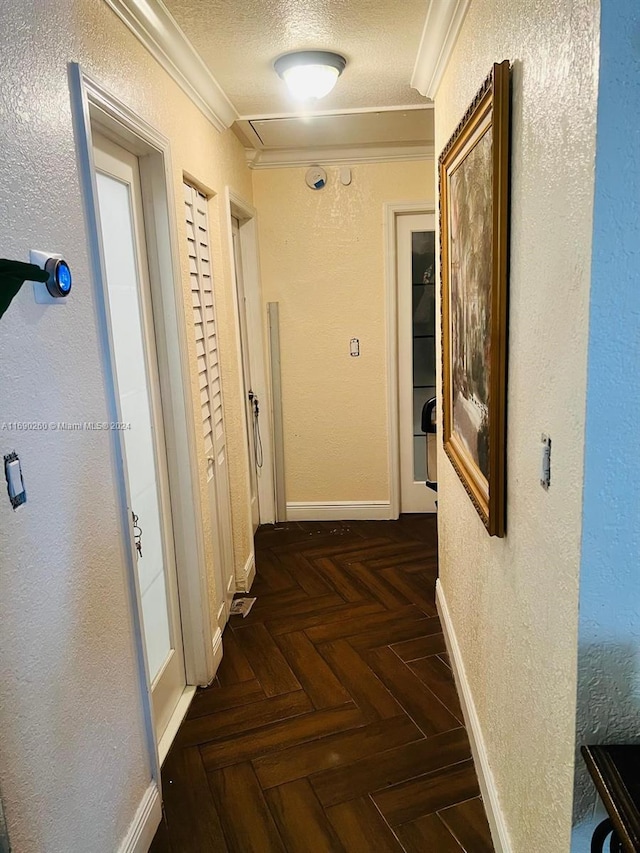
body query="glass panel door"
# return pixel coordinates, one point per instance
(416, 259)
(423, 286)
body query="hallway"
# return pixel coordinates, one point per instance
(333, 723)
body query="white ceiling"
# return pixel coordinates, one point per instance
(221, 53)
(239, 41)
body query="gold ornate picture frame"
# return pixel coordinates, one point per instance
(474, 234)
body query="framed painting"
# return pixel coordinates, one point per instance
(474, 227)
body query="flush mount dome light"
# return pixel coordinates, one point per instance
(310, 73)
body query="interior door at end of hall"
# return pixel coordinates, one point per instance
(245, 344)
(416, 261)
(137, 380)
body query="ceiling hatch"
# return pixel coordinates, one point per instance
(357, 129)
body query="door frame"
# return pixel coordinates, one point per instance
(94, 106)
(393, 210)
(238, 208)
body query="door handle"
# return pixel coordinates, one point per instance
(428, 424)
(137, 533)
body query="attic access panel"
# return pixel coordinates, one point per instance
(377, 128)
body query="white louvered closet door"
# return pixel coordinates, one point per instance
(204, 320)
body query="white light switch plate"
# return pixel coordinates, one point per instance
(40, 292)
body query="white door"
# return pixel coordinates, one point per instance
(251, 404)
(416, 260)
(212, 410)
(138, 391)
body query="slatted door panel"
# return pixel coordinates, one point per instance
(210, 387)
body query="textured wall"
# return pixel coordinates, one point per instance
(514, 601)
(609, 630)
(322, 259)
(73, 759)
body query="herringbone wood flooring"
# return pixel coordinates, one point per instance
(333, 723)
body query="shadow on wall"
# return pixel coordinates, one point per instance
(5, 847)
(608, 711)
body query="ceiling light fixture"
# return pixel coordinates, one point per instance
(310, 73)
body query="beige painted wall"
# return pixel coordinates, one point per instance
(322, 259)
(73, 755)
(514, 601)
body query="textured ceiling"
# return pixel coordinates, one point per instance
(239, 41)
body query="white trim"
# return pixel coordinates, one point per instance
(96, 104)
(339, 511)
(280, 158)
(82, 99)
(231, 586)
(92, 103)
(245, 581)
(246, 214)
(145, 823)
(414, 496)
(391, 212)
(217, 649)
(490, 796)
(250, 573)
(441, 28)
(179, 713)
(239, 361)
(153, 25)
(346, 111)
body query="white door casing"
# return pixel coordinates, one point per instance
(96, 110)
(253, 447)
(414, 495)
(251, 329)
(137, 385)
(211, 400)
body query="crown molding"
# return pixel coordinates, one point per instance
(154, 26)
(349, 155)
(441, 29)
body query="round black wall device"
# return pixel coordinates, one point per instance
(59, 281)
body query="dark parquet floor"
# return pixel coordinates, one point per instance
(333, 723)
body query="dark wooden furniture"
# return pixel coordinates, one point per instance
(616, 773)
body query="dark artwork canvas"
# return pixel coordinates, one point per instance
(470, 224)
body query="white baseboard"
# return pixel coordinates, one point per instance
(180, 712)
(243, 583)
(339, 511)
(145, 823)
(217, 650)
(499, 832)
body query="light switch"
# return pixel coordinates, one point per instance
(545, 464)
(15, 484)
